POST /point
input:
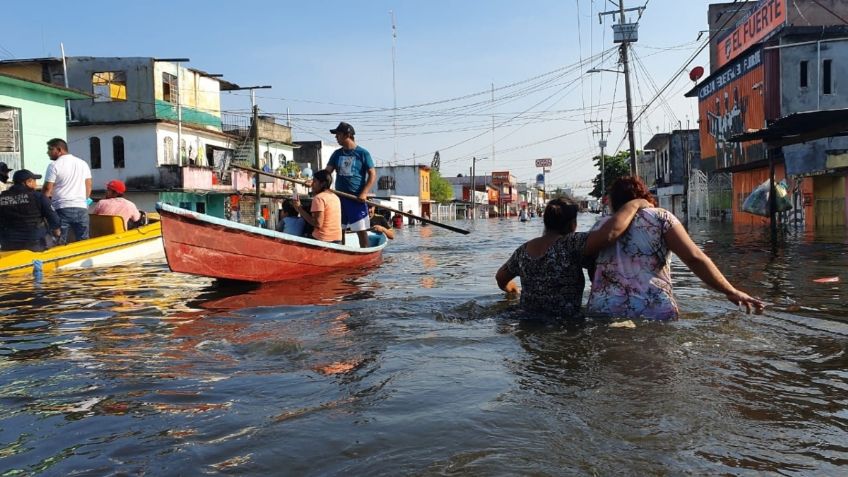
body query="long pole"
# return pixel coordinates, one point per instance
(625, 61)
(356, 198)
(65, 71)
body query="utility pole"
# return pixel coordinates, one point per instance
(602, 143)
(625, 61)
(626, 33)
(255, 132)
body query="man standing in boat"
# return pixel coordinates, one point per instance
(355, 174)
(68, 184)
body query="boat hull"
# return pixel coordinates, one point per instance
(199, 244)
(143, 243)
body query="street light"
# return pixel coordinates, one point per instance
(630, 136)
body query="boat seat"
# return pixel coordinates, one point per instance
(100, 225)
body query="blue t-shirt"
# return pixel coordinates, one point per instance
(351, 168)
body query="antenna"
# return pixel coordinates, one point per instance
(394, 82)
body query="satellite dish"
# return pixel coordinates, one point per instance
(696, 73)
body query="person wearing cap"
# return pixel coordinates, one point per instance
(115, 204)
(355, 174)
(23, 211)
(68, 184)
(4, 176)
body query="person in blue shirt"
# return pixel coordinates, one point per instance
(355, 174)
(290, 221)
(23, 211)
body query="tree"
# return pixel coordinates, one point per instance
(441, 190)
(615, 166)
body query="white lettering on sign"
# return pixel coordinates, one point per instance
(546, 162)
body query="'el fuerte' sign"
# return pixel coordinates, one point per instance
(766, 17)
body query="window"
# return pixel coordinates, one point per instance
(10, 132)
(94, 152)
(118, 152)
(826, 77)
(109, 86)
(386, 183)
(803, 75)
(168, 156)
(182, 151)
(282, 158)
(200, 207)
(170, 88)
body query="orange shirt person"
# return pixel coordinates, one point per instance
(325, 215)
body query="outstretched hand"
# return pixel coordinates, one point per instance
(743, 299)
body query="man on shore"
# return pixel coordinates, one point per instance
(68, 184)
(22, 215)
(355, 175)
(115, 204)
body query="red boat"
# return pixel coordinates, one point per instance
(200, 244)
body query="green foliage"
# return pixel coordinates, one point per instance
(615, 166)
(440, 189)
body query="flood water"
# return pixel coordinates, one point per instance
(422, 367)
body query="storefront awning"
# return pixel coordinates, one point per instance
(799, 127)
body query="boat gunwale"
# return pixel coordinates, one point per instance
(229, 226)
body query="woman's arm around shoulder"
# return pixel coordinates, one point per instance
(614, 227)
(702, 266)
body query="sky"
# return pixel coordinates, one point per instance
(459, 67)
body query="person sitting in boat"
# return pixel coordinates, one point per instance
(23, 211)
(550, 266)
(325, 214)
(409, 218)
(115, 204)
(290, 221)
(379, 223)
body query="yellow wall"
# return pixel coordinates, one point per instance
(30, 72)
(424, 183)
(829, 199)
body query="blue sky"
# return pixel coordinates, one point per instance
(331, 60)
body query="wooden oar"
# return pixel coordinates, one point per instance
(351, 196)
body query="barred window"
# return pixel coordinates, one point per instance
(386, 183)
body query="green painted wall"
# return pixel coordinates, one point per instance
(42, 119)
(214, 203)
(166, 110)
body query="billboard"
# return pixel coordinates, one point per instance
(499, 178)
(546, 162)
(765, 18)
(729, 103)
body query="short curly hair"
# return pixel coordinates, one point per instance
(627, 188)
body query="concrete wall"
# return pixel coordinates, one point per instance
(812, 156)
(407, 180)
(795, 98)
(139, 102)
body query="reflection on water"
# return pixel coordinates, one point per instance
(421, 366)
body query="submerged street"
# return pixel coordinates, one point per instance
(421, 366)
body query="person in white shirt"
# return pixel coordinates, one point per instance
(68, 184)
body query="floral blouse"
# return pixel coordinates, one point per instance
(552, 283)
(633, 276)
